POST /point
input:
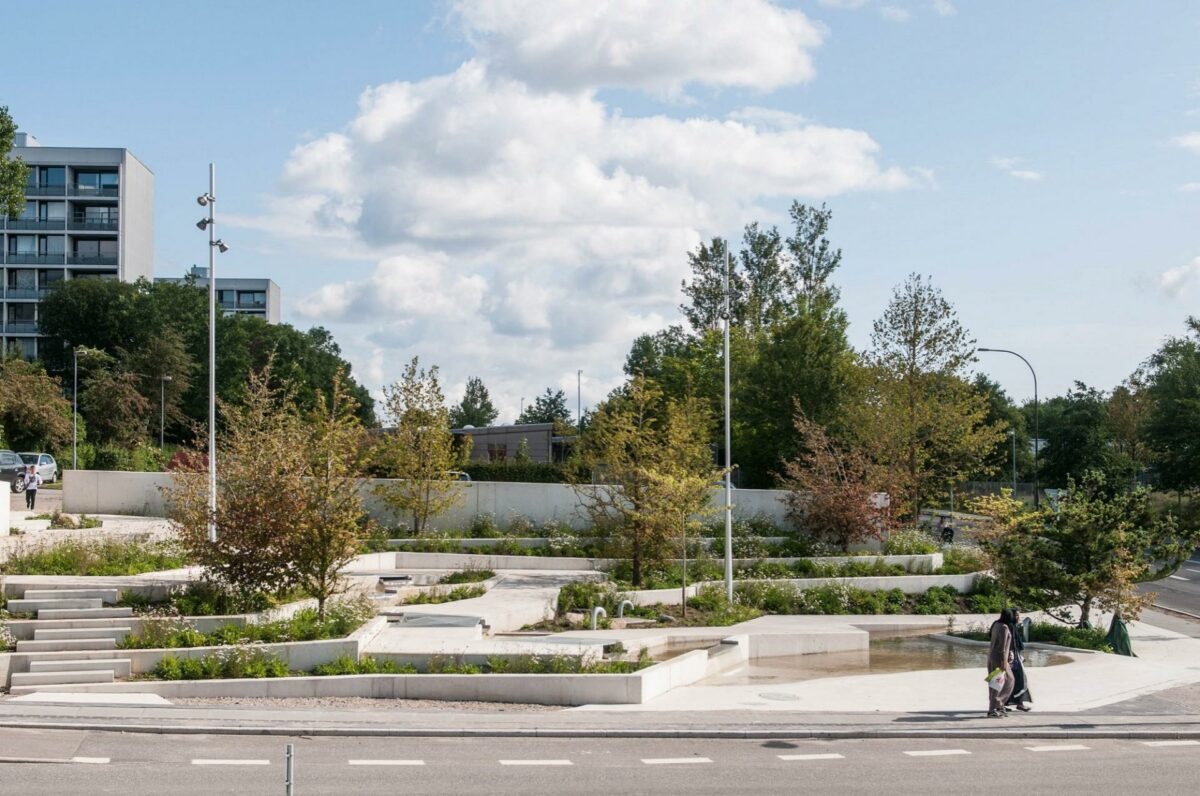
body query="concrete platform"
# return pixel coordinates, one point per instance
(85, 613)
(120, 667)
(67, 646)
(33, 606)
(76, 634)
(81, 698)
(106, 595)
(22, 680)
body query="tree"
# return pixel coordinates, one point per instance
(117, 413)
(919, 417)
(262, 492)
(832, 495)
(475, 408)
(1089, 553)
(706, 291)
(647, 457)
(1075, 428)
(1172, 428)
(1002, 413)
(1129, 407)
(549, 407)
(13, 171)
(328, 531)
(33, 414)
(419, 450)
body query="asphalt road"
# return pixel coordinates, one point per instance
(155, 764)
(1180, 591)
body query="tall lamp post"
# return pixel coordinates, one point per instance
(162, 411)
(1012, 437)
(1037, 442)
(209, 223)
(75, 412)
(579, 401)
(728, 452)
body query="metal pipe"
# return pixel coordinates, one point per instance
(212, 352)
(598, 611)
(290, 773)
(75, 414)
(728, 454)
(621, 608)
(1037, 441)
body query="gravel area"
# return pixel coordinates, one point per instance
(362, 703)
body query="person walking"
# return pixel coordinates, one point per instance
(32, 481)
(999, 664)
(1020, 694)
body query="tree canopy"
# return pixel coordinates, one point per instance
(13, 171)
(476, 407)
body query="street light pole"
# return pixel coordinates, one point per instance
(162, 411)
(75, 413)
(215, 244)
(579, 401)
(728, 453)
(1037, 442)
(1012, 435)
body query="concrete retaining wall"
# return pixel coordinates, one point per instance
(909, 584)
(140, 494)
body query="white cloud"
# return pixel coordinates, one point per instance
(1174, 281)
(1190, 141)
(1013, 167)
(944, 8)
(894, 14)
(844, 3)
(1190, 187)
(655, 45)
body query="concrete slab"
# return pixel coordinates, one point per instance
(82, 698)
(33, 606)
(120, 667)
(107, 595)
(28, 679)
(78, 633)
(85, 613)
(59, 645)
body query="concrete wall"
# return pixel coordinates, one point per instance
(106, 492)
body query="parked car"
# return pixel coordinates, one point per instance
(47, 467)
(457, 475)
(12, 470)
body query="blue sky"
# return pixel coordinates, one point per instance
(515, 198)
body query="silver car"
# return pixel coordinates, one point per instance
(47, 467)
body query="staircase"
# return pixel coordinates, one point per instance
(72, 621)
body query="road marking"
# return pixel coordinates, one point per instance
(98, 761)
(1063, 748)
(206, 761)
(1192, 569)
(385, 762)
(535, 762)
(673, 761)
(1177, 577)
(937, 752)
(829, 756)
(1172, 743)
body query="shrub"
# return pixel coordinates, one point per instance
(94, 557)
(204, 598)
(909, 542)
(468, 575)
(484, 527)
(345, 664)
(445, 664)
(236, 662)
(436, 596)
(583, 596)
(7, 640)
(938, 600)
(112, 458)
(963, 560)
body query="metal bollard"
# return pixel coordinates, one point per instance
(597, 611)
(290, 780)
(621, 608)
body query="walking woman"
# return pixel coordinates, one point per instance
(1020, 694)
(1000, 658)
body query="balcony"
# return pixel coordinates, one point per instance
(105, 192)
(102, 223)
(33, 223)
(21, 327)
(45, 190)
(90, 259)
(26, 258)
(23, 293)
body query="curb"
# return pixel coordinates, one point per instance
(780, 734)
(1174, 611)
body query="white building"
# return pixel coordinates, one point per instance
(257, 297)
(89, 213)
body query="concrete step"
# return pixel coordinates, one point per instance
(79, 633)
(60, 678)
(120, 667)
(33, 606)
(106, 595)
(85, 613)
(72, 645)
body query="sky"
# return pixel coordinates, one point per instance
(509, 189)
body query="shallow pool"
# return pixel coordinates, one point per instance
(886, 655)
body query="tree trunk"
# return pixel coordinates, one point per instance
(1085, 612)
(635, 556)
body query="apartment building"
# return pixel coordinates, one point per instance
(257, 297)
(89, 214)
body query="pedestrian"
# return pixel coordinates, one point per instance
(999, 664)
(32, 481)
(1020, 694)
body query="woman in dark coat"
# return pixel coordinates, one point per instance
(1020, 694)
(1000, 656)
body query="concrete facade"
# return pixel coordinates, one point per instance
(89, 213)
(259, 298)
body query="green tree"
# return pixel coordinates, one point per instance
(13, 171)
(476, 407)
(1088, 553)
(418, 451)
(117, 413)
(921, 420)
(644, 458)
(549, 407)
(1077, 436)
(1129, 407)
(34, 416)
(1172, 428)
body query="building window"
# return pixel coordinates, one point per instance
(52, 244)
(497, 451)
(51, 176)
(22, 279)
(22, 244)
(252, 299)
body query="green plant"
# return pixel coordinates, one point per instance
(938, 600)
(445, 664)
(436, 596)
(909, 542)
(468, 575)
(345, 664)
(484, 526)
(94, 557)
(581, 597)
(963, 560)
(243, 661)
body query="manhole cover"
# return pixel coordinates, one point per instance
(780, 697)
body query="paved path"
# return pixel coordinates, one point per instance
(112, 763)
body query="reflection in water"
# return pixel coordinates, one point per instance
(885, 656)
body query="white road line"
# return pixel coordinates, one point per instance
(97, 761)
(673, 761)
(385, 762)
(535, 762)
(205, 761)
(1171, 743)
(828, 756)
(1177, 577)
(1063, 748)
(937, 752)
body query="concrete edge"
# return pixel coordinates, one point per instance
(1032, 645)
(583, 732)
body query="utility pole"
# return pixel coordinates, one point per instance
(579, 401)
(728, 453)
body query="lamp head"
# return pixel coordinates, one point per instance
(203, 199)
(203, 223)
(221, 246)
